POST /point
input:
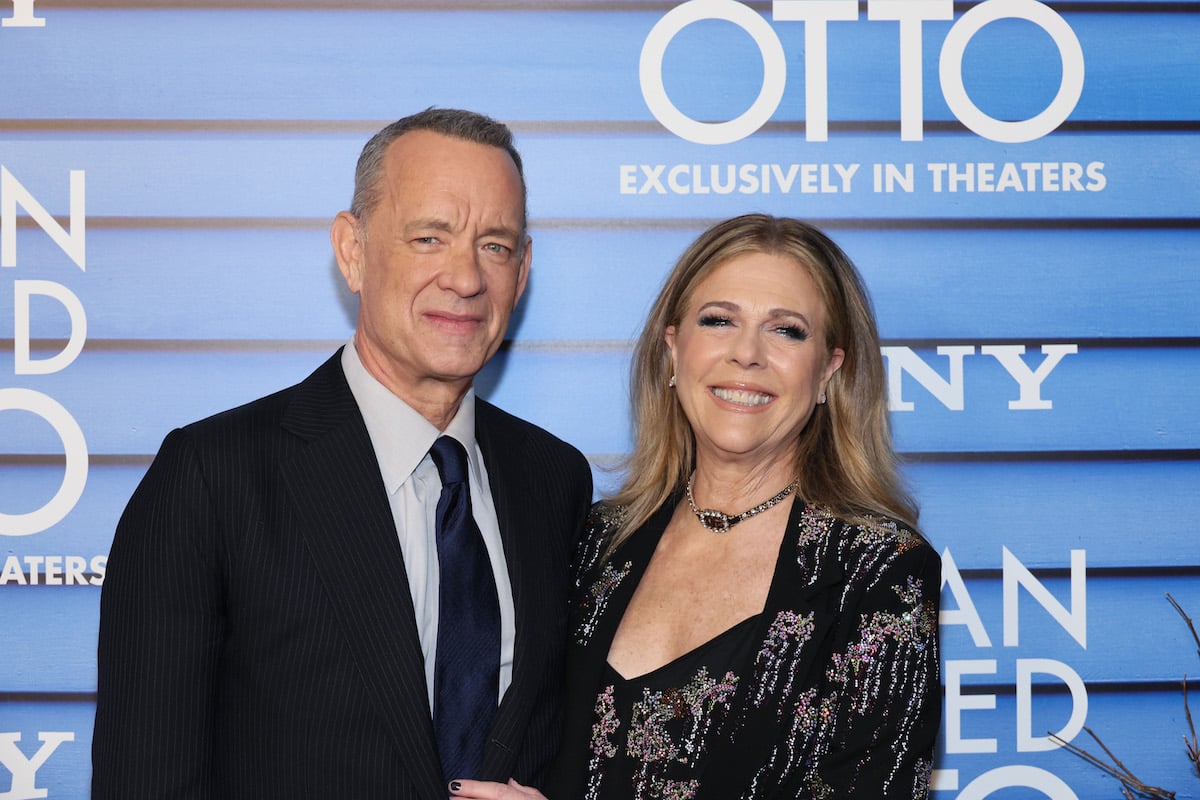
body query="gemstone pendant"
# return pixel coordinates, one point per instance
(715, 521)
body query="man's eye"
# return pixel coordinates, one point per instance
(426, 240)
(498, 249)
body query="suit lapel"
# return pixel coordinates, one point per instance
(501, 448)
(347, 525)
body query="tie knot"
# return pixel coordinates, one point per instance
(451, 460)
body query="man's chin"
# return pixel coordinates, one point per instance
(458, 370)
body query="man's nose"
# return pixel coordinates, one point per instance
(462, 273)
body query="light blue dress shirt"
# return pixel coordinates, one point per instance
(402, 438)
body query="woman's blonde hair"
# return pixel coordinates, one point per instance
(845, 459)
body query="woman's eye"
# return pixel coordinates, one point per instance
(714, 321)
(793, 332)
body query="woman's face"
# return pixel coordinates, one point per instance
(750, 358)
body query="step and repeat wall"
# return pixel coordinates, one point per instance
(1017, 181)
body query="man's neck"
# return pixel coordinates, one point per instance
(435, 400)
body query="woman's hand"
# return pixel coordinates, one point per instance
(486, 790)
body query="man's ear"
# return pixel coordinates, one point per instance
(346, 235)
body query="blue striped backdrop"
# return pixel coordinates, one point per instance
(218, 140)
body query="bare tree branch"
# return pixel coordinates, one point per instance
(1187, 619)
(1131, 787)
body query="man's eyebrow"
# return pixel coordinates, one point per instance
(437, 224)
(501, 231)
(427, 223)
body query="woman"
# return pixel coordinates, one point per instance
(784, 645)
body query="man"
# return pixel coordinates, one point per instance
(274, 619)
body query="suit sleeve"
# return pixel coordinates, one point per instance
(161, 633)
(886, 681)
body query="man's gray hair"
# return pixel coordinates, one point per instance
(453, 122)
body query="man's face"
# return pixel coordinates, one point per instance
(438, 264)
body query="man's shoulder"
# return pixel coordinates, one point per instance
(493, 421)
(301, 401)
(535, 463)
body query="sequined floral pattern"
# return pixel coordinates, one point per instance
(668, 734)
(788, 633)
(816, 523)
(886, 532)
(606, 724)
(596, 600)
(882, 630)
(652, 735)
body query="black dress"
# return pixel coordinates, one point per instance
(832, 692)
(658, 724)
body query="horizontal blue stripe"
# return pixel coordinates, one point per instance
(125, 402)
(960, 503)
(190, 284)
(87, 530)
(250, 64)
(1120, 398)
(1123, 513)
(147, 395)
(1127, 617)
(1144, 730)
(62, 656)
(1145, 176)
(195, 284)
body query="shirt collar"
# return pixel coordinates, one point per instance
(400, 435)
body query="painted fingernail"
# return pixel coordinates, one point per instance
(455, 786)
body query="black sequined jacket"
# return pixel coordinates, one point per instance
(842, 699)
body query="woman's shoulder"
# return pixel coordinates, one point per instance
(603, 521)
(869, 536)
(876, 561)
(605, 518)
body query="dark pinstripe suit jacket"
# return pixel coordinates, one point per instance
(257, 636)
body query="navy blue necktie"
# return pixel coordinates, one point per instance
(466, 678)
